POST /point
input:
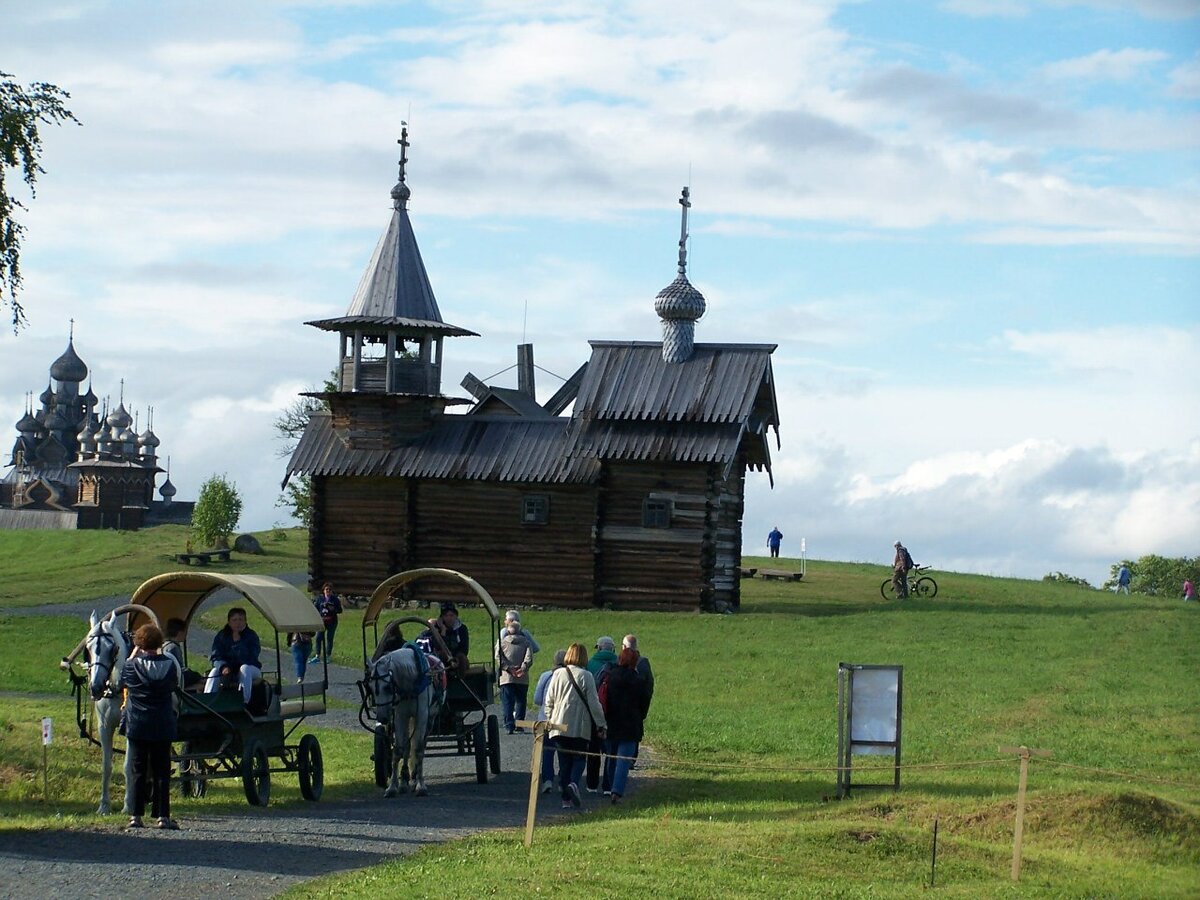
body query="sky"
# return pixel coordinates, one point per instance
(972, 227)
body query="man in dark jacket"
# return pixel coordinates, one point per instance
(150, 680)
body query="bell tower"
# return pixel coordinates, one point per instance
(389, 369)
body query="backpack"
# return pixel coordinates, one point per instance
(602, 687)
(908, 561)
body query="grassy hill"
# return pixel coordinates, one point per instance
(744, 732)
(39, 567)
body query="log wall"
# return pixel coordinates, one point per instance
(360, 530)
(654, 568)
(475, 527)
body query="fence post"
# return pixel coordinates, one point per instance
(1018, 829)
(535, 771)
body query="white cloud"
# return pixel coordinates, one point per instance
(1109, 65)
(1185, 79)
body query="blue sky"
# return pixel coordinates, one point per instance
(972, 227)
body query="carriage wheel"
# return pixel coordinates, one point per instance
(256, 774)
(493, 743)
(312, 768)
(192, 782)
(479, 739)
(382, 757)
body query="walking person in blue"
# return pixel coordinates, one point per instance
(329, 605)
(774, 539)
(1124, 577)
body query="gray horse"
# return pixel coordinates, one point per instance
(106, 655)
(406, 702)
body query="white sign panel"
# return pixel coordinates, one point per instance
(47, 731)
(874, 706)
(803, 543)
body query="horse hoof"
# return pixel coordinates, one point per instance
(421, 791)
(390, 793)
(103, 810)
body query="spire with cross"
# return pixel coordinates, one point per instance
(401, 192)
(683, 230)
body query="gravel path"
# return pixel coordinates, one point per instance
(260, 852)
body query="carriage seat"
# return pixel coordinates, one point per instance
(301, 700)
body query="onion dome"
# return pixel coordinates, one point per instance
(47, 397)
(87, 431)
(679, 304)
(69, 367)
(56, 421)
(103, 437)
(125, 436)
(89, 399)
(148, 439)
(28, 424)
(167, 491)
(119, 418)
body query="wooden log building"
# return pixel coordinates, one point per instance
(634, 500)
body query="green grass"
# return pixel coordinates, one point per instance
(1102, 682)
(74, 764)
(38, 567)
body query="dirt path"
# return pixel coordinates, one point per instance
(260, 852)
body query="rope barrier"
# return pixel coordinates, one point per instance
(964, 764)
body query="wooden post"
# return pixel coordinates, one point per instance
(535, 771)
(1018, 829)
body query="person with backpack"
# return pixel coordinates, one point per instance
(599, 666)
(902, 564)
(628, 701)
(150, 679)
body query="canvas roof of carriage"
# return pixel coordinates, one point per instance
(177, 595)
(387, 589)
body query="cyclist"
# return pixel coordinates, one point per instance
(902, 564)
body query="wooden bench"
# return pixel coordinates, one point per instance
(779, 575)
(203, 558)
(746, 572)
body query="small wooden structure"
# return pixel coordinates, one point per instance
(779, 575)
(633, 501)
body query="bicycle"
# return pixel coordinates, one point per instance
(923, 586)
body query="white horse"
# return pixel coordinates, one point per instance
(406, 702)
(106, 655)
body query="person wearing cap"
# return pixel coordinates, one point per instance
(902, 563)
(513, 616)
(599, 666)
(514, 656)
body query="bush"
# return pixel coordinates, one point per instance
(1064, 578)
(217, 511)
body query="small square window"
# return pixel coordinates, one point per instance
(656, 513)
(535, 509)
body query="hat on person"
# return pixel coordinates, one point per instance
(897, 544)
(449, 607)
(560, 657)
(606, 643)
(512, 616)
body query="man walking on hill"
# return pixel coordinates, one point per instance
(901, 565)
(1123, 578)
(774, 539)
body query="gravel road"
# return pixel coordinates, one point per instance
(260, 852)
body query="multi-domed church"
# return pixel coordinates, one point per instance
(77, 463)
(632, 501)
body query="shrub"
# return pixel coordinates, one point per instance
(1064, 578)
(217, 511)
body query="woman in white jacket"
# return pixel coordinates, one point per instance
(571, 700)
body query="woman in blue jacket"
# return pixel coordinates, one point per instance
(235, 650)
(150, 680)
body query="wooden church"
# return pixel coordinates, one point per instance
(633, 500)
